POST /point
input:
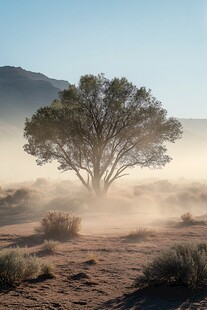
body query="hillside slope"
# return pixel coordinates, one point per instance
(22, 92)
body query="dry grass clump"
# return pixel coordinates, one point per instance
(48, 270)
(59, 225)
(183, 264)
(50, 246)
(140, 233)
(17, 266)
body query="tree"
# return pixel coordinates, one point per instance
(99, 129)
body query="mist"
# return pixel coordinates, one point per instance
(188, 157)
(144, 197)
(128, 205)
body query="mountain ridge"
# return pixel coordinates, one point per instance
(19, 72)
(22, 92)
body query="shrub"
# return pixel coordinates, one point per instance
(140, 233)
(50, 246)
(17, 200)
(59, 225)
(187, 218)
(48, 270)
(16, 266)
(182, 264)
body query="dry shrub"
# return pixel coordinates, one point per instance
(48, 270)
(59, 225)
(16, 266)
(16, 199)
(187, 218)
(140, 233)
(183, 264)
(50, 246)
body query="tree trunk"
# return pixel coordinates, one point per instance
(96, 184)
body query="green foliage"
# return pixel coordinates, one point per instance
(182, 264)
(59, 225)
(16, 266)
(100, 128)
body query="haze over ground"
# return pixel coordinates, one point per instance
(189, 157)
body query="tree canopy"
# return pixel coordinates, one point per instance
(100, 128)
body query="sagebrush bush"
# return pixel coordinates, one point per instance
(50, 246)
(187, 218)
(16, 266)
(182, 264)
(48, 269)
(59, 225)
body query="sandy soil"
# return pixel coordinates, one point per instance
(107, 284)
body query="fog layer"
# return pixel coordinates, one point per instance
(188, 157)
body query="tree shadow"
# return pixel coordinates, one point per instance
(156, 298)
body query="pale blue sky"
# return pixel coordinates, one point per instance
(160, 44)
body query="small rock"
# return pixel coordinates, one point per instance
(79, 276)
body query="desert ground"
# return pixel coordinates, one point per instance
(97, 269)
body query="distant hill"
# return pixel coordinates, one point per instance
(196, 126)
(22, 92)
(9, 133)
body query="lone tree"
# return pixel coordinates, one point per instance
(99, 129)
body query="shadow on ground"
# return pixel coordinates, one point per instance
(158, 299)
